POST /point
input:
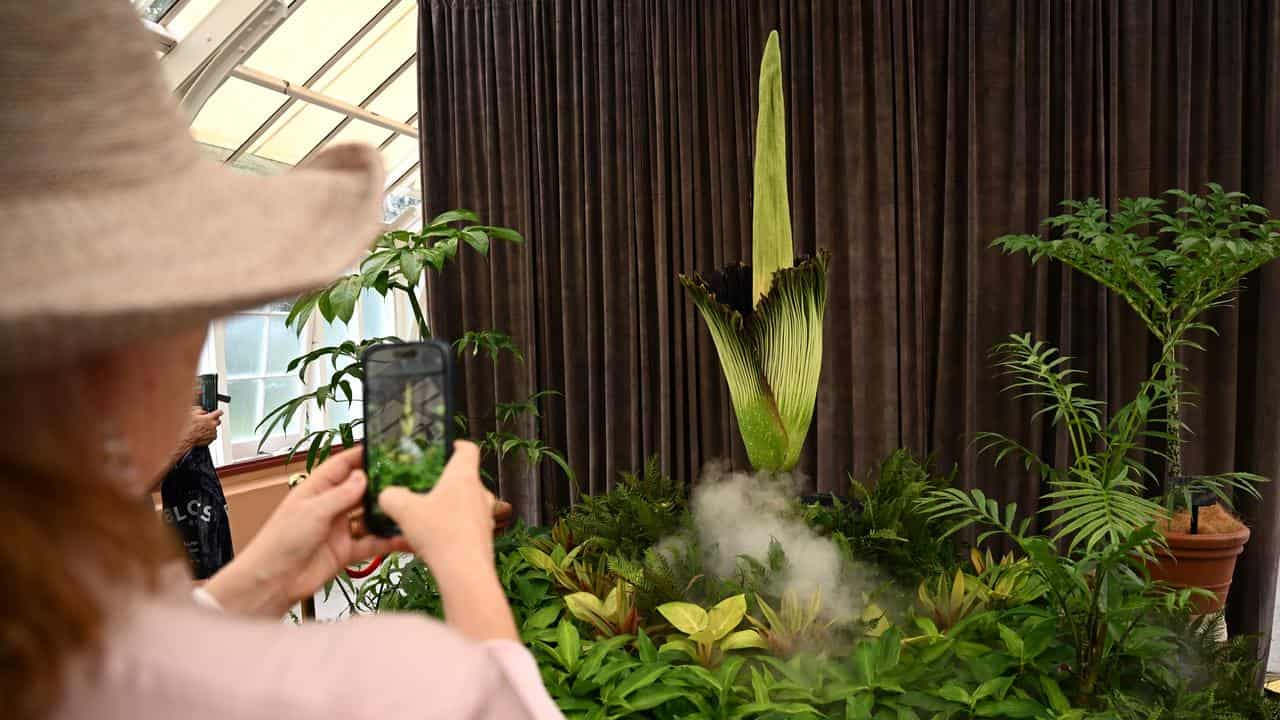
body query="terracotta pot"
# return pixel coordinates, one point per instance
(1203, 561)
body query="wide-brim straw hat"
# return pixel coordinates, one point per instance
(114, 224)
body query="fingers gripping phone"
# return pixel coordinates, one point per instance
(408, 421)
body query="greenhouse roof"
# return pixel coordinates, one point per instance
(315, 72)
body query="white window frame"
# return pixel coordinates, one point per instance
(227, 452)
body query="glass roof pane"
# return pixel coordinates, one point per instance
(153, 10)
(293, 135)
(187, 18)
(397, 156)
(360, 131)
(259, 166)
(233, 113)
(310, 36)
(399, 100)
(374, 58)
(368, 64)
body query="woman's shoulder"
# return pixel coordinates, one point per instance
(166, 658)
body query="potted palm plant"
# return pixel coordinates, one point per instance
(766, 318)
(1172, 266)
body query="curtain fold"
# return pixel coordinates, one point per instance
(617, 136)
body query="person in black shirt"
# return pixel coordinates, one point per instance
(192, 497)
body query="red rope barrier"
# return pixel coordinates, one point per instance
(367, 570)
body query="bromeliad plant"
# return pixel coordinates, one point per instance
(396, 266)
(796, 625)
(710, 634)
(1171, 265)
(616, 614)
(766, 318)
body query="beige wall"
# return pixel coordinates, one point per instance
(253, 490)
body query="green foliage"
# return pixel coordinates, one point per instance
(642, 509)
(395, 468)
(766, 320)
(490, 342)
(1096, 497)
(616, 614)
(1090, 570)
(796, 625)
(1042, 633)
(1171, 266)
(396, 264)
(946, 601)
(570, 572)
(710, 633)
(886, 525)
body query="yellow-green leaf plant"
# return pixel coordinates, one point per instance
(616, 615)
(796, 625)
(766, 318)
(710, 634)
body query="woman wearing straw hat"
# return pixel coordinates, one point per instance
(111, 224)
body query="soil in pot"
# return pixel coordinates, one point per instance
(1206, 559)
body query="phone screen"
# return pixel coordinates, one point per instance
(408, 414)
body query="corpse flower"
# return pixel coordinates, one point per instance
(766, 318)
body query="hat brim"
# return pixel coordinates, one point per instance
(84, 273)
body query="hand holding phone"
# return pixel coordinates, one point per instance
(408, 422)
(451, 529)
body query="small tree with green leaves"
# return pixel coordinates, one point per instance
(396, 264)
(1171, 266)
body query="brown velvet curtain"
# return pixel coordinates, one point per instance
(617, 136)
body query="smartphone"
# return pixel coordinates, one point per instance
(408, 421)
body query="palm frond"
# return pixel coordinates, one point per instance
(1091, 511)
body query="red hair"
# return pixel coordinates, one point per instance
(56, 536)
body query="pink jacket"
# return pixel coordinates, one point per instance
(170, 658)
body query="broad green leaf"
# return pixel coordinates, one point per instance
(452, 216)
(1012, 642)
(954, 693)
(652, 697)
(542, 618)
(995, 687)
(859, 706)
(725, 616)
(411, 266)
(610, 607)
(568, 645)
(641, 678)
(1053, 693)
(865, 655)
(504, 234)
(1010, 708)
(583, 605)
(686, 617)
(301, 311)
(596, 656)
(343, 296)
(743, 639)
(645, 648)
(477, 239)
(681, 645)
(704, 637)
